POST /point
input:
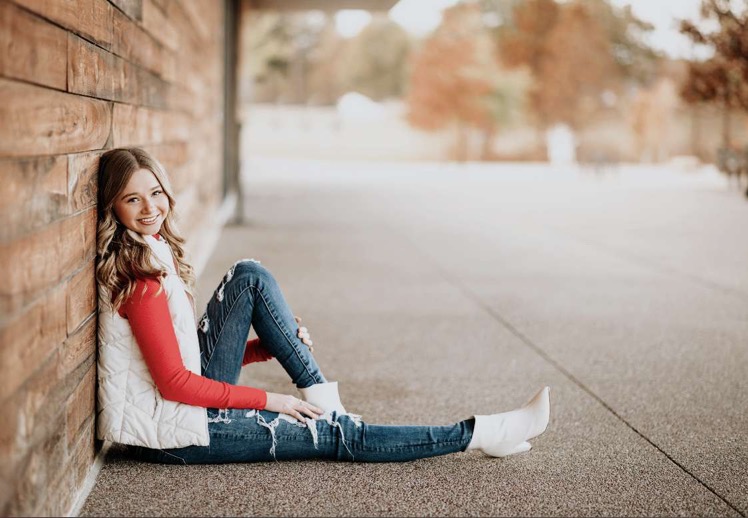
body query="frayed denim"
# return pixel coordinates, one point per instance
(250, 296)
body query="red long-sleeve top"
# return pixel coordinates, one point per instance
(151, 324)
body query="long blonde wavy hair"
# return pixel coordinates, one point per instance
(120, 258)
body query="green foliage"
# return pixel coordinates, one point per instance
(375, 63)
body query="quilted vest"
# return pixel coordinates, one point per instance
(130, 407)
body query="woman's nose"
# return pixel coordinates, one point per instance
(147, 206)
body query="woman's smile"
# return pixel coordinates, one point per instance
(149, 221)
(142, 206)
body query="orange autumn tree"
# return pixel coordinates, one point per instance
(575, 50)
(453, 77)
(722, 79)
(577, 67)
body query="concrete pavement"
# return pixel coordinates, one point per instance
(434, 292)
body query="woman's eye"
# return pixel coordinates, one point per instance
(132, 200)
(156, 193)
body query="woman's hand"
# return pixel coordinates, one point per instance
(303, 333)
(292, 406)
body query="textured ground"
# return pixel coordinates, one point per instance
(436, 292)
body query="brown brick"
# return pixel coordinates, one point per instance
(81, 297)
(159, 25)
(134, 44)
(34, 194)
(39, 469)
(78, 347)
(39, 261)
(186, 201)
(29, 339)
(132, 8)
(27, 411)
(199, 14)
(60, 493)
(31, 48)
(172, 155)
(187, 38)
(83, 453)
(183, 176)
(152, 90)
(10, 431)
(26, 496)
(70, 381)
(92, 19)
(134, 126)
(77, 240)
(39, 121)
(98, 73)
(80, 406)
(83, 176)
(7, 476)
(180, 98)
(88, 227)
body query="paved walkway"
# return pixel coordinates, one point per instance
(436, 292)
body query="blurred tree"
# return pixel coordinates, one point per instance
(576, 67)
(376, 60)
(575, 51)
(325, 82)
(270, 52)
(498, 16)
(636, 61)
(524, 40)
(456, 81)
(723, 79)
(279, 45)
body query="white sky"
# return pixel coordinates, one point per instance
(422, 16)
(664, 15)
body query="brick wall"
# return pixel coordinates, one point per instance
(78, 77)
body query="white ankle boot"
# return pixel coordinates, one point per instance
(507, 433)
(324, 396)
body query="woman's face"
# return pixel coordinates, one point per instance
(142, 205)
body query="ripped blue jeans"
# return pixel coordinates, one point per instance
(250, 296)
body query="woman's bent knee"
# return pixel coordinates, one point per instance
(249, 269)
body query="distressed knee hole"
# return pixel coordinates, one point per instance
(309, 423)
(230, 275)
(222, 417)
(204, 323)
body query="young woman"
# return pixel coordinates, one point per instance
(168, 385)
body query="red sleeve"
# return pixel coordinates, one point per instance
(153, 329)
(255, 352)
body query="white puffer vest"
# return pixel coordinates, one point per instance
(131, 409)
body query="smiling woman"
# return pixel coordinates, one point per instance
(168, 386)
(144, 206)
(133, 189)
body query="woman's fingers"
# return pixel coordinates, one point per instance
(291, 405)
(303, 333)
(298, 319)
(315, 410)
(292, 409)
(306, 408)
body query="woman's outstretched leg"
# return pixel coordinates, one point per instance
(238, 435)
(353, 440)
(256, 436)
(248, 296)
